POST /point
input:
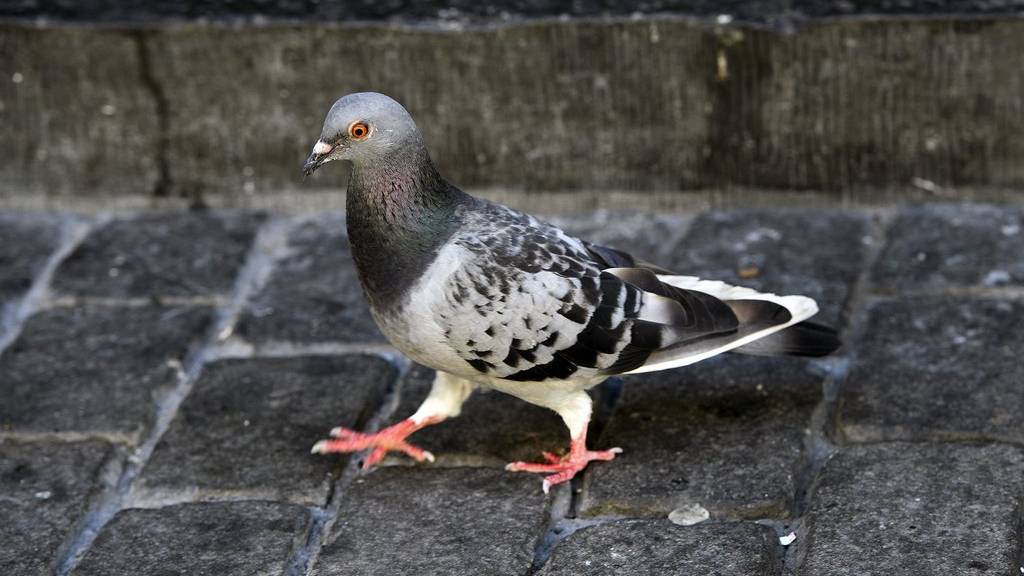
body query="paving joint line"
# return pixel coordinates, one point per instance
(73, 232)
(858, 309)
(71, 301)
(268, 241)
(977, 292)
(303, 558)
(167, 498)
(234, 347)
(818, 445)
(677, 240)
(822, 442)
(66, 437)
(558, 526)
(951, 439)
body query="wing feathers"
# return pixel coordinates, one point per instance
(759, 314)
(529, 303)
(803, 339)
(645, 322)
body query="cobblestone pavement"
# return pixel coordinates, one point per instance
(163, 376)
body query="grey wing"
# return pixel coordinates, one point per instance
(531, 303)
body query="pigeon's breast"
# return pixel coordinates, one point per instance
(419, 325)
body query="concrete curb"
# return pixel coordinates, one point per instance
(646, 104)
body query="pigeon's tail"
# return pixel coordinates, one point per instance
(767, 325)
(802, 339)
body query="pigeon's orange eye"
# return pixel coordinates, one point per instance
(358, 130)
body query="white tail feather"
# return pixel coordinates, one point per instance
(800, 308)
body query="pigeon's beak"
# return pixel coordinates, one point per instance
(317, 158)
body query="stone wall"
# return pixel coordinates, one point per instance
(651, 103)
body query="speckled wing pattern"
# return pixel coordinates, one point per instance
(530, 303)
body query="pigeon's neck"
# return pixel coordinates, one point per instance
(400, 212)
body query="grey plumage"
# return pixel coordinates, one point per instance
(530, 303)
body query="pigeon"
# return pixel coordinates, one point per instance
(493, 298)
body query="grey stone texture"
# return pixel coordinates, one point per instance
(660, 547)
(648, 104)
(493, 428)
(313, 294)
(44, 491)
(160, 255)
(247, 427)
(222, 538)
(95, 370)
(77, 112)
(727, 434)
(473, 93)
(877, 102)
(953, 246)
(910, 508)
(421, 520)
(817, 253)
(937, 368)
(27, 240)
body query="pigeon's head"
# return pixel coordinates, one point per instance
(362, 128)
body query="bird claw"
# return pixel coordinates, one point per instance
(562, 469)
(389, 439)
(339, 432)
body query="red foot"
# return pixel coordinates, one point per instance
(563, 468)
(388, 439)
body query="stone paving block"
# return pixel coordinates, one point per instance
(727, 434)
(910, 508)
(662, 548)
(421, 520)
(935, 368)
(953, 246)
(44, 491)
(26, 242)
(493, 428)
(817, 253)
(247, 427)
(95, 369)
(314, 293)
(154, 255)
(215, 538)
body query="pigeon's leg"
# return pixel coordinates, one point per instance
(444, 401)
(575, 409)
